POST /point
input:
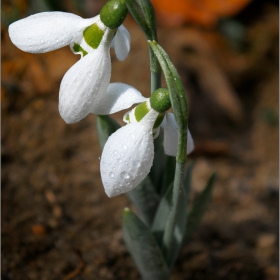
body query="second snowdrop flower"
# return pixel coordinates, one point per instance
(129, 152)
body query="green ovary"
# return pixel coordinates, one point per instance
(77, 48)
(93, 35)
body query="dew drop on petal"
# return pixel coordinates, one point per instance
(136, 163)
(115, 152)
(111, 174)
(125, 175)
(119, 160)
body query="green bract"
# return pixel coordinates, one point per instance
(113, 13)
(160, 100)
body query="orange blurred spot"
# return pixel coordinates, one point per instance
(39, 229)
(201, 12)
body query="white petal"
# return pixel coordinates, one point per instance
(127, 157)
(170, 141)
(118, 97)
(47, 31)
(121, 43)
(83, 85)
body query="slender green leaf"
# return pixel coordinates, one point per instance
(199, 208)
(138, 15)
(148, 11)
(143, 13)
(159, 223)
(143, 248)
(145, 199)
(105, 126)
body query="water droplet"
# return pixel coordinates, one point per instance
(122, 154)
(136, 163)
(115, 152)
(125, 175)
(125, 147)
(99, 158)
(119, 160)
(111, 174)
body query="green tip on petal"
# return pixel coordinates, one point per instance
(113, 13)
(93, 35)
(78, 49)
(141, 111)
(160, 100)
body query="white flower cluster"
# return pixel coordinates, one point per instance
(85, 88)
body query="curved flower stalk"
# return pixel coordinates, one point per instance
(85, 87)
(129, 152)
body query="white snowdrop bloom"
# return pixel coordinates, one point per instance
(128, 154)
(85, 87)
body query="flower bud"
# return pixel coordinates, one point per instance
(113, 13)
(160, 100)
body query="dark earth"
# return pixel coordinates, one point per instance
(57, 222)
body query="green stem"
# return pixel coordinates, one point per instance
(179, 105)
(172, 218)
(155, 71)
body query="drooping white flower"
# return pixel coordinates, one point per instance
(85, 87)
(128, 154)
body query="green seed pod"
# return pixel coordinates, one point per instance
(113, 13)
(160, 100)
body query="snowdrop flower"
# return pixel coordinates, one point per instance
(128, 154)
(85, 87)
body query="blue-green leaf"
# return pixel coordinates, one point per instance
(143, 248)
(145, 199)
(199, 208)
(105, 126)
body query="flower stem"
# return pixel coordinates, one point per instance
(155, 71)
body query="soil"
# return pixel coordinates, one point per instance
(57, 222)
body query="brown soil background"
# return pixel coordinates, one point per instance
(57, 222)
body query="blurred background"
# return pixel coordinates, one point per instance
(57, 222)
